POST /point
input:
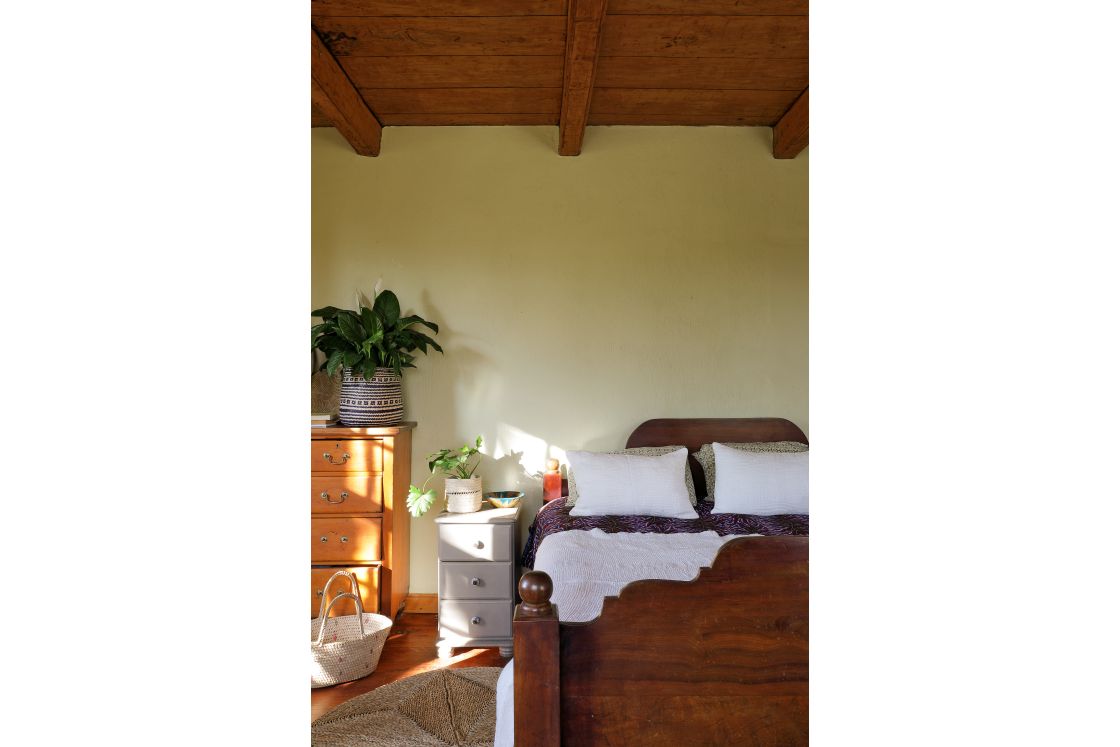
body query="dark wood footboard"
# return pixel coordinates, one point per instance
(721, 659)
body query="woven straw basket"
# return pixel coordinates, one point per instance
(463, 496)
(347, 647)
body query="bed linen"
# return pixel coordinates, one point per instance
(556, 517)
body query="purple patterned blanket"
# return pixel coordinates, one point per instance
(555, 516)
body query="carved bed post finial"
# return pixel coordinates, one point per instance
(536, 676)
(536, 594)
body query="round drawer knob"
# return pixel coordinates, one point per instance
(478, 544)
(345, 538)
(322, 539)
(476, 620)
(475, 582)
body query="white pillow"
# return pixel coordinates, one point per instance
(760, 483)
(631, 485)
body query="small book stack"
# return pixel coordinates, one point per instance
(323, 419)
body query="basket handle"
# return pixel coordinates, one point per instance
(343, 595)
(327, 591)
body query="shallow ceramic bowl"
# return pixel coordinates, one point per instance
(505, 498)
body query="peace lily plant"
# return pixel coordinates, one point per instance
(454, 463)
(375, 336)
(371, 346)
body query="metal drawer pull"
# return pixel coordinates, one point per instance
(475, 582)
(319, 593)
(478, 544)
(345, 538)
(329, 458)
(322, 539)
(476, 621)
(327, 497)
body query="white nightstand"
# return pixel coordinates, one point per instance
(477, 572)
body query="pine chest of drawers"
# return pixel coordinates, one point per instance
(359, 482)
(477, 571)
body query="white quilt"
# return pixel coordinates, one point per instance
(587, 565)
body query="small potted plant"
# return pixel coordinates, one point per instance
(462, 488)
(372, 346)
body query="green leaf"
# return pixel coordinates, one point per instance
(478, 442)
(351, 327)
(334, 362)
(419, 503)
(370, 322)
(351, 358)
(424, 341)
(388, 307)
(327, 312)
(331, 342)
(413, 319)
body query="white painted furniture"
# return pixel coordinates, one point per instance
(477, 571)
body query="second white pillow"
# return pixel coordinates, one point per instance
(630, 485)
(761, 483)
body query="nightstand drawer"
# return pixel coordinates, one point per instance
(369, 578)
(342, 455)
(475, 619)
(346, 494)
(475, 541)
(476, 580)
(345, 540)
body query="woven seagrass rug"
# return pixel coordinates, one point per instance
(452, 707)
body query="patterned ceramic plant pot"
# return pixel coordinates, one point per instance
(368, 403)
(463, 496)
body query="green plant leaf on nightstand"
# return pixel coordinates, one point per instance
(419, 503)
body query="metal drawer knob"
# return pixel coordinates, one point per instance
(475, 582)
(328, 457)
(476, 620)
(345, 538)
(319, 593)
(322, 539)
(327, 497)
(478, 544)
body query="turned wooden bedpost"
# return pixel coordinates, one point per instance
(536, 668)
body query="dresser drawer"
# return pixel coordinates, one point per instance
(469, 619)
(346, 494)
(475, 541)
(369, 586)
(341, 455)
(345, 540)
(476, 581)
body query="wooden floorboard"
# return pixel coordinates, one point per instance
(411, 649)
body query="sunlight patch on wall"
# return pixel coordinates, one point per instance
(530, 451)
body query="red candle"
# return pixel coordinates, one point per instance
(551, 480)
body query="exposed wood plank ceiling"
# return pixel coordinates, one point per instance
(565, 63)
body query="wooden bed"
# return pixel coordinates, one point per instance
(722, 659)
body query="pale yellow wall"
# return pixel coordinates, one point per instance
(663, 273)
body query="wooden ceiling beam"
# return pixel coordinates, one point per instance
(334, 95)
(585, 25)
(791, 133)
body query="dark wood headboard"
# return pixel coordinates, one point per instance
(695, 432)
